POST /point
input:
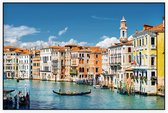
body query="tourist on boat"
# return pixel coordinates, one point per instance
(20, 94)
(27, 99)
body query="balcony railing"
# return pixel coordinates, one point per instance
(153, 47)
(74, 65)
(45, 71)
(115, 63)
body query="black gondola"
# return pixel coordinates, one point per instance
(72, 93)
(104, 87)
(20, 78)
(7, 99)
(7, 103)
(24, 102)
(17, 80)
(7, 91)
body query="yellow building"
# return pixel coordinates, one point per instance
(160, 61)
(149, 59)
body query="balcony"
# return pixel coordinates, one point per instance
(153, 67)
(45, 71)
(74, 62)
(153, 47)
(73, 72)
(115, 63)
(140, 67)
(9, 70)
(44, 62)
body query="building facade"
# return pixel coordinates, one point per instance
(46, 64)
(149, 58)
(160, 43)
(52, 63)
(36, 65)
(120, 58)
(10, 62)
(105, 65)
(25, 65)
(67, 63)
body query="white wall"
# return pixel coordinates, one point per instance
(24, 67)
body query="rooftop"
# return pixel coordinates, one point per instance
(146, 27)
(121, 43)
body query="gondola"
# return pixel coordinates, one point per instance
(7, 91)
(20, 79)
(17, 80)
(104, 87)
(72, 93)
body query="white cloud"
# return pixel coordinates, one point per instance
(38, 44)
(13, 34)
(71, 41)
(104, 37)
(83, 43)
(100, 18)
(42, 44)
(63, 31)
(50, 39)
(107, 42)
(130, 37)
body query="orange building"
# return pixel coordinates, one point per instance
(86, 61)
(36, 65)
(95, 61)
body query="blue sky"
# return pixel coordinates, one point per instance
(81, 22)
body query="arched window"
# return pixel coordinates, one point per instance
(123, 33)
(140, 58)
(152, 41)
(129, 49)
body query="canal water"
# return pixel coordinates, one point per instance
(42, 97)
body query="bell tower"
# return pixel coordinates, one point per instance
(123, 30)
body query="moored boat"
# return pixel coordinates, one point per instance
(100, 87)
(19, 79)
(104, 87)
(72, 93)
(96, 86)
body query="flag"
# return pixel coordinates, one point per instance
(137, 59)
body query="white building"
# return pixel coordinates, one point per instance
(120, 58)
(52, 63)
(11, 63)
(25, 65)
(105, 64)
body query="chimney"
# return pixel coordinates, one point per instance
(146, 27)
(163, 21)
